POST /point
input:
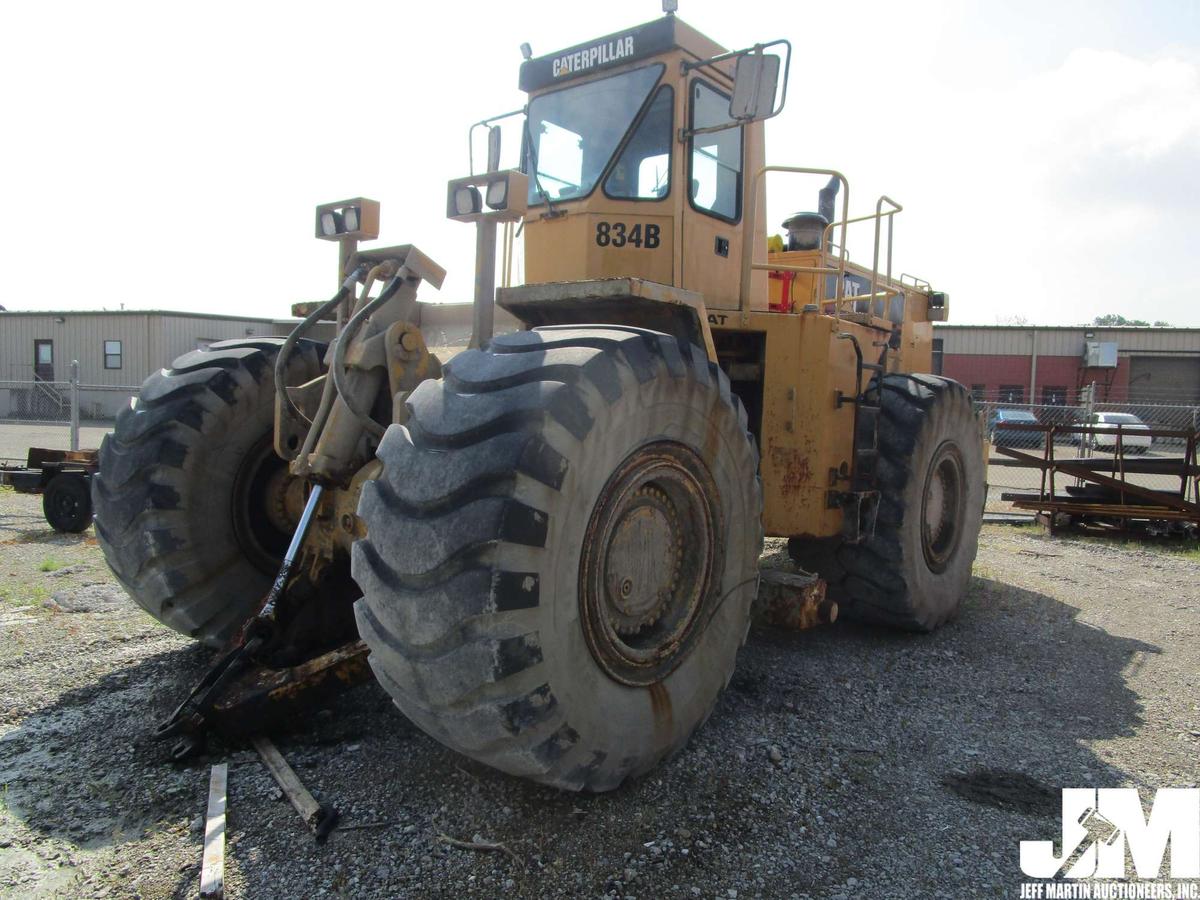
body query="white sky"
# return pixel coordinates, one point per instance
(169, 155)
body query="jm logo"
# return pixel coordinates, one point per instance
(1097, 825)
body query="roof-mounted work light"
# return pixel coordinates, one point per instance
(498, 196)
(356, 219)
(465, 201)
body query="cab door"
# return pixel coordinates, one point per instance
(714, 182)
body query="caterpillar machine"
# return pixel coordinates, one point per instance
(546, 550)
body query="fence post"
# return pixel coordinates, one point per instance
(74, 404)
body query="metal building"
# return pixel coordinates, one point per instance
(1047, 364)
(119, 349)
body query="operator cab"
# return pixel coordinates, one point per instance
(633, 153)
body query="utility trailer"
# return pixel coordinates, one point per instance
(63, 478)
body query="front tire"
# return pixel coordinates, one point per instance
(913, 572)
(192, 505)
(561, 552)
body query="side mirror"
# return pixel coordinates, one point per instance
(493, 141)
(755, 83)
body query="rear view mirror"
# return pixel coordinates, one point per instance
(493, 140)
(755, 84)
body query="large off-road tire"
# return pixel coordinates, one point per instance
(914, 571)
(189, 497)
(561, 552)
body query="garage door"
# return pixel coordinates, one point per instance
(1164, 379)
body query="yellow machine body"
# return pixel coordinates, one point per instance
(785, 337)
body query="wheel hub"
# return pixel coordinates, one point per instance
(943, 507)
(643, 561)
(649, 557)
(266, 503)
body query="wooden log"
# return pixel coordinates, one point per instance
(794, 600)
(212, 869)
(320, 819)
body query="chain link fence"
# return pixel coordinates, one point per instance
(1006, 475)
(59, 415)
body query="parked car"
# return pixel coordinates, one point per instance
(1132, 429)
(1001, 436)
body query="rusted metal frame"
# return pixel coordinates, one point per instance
(1173, 468)
(1119, 460)
(1156, 497)
(1105, 509)
(1048, 457)
(1181, 434)
(1189, 465)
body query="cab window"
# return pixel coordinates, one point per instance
(574, 132)
(715, 159)
(643, 170)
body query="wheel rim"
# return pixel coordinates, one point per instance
(262, 512)
(650, 554)
(942, 507)
(65, 504)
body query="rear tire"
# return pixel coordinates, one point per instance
(188, 494)
(913, 572)
(561, 552)
(67, 503)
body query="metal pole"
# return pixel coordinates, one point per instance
(484, 314)
(347, 247)
(74, 404)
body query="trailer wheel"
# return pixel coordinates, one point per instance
(914, 571)
(561, 552)
(67, 503)
(193, 510)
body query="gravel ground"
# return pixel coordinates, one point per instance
(823, 773)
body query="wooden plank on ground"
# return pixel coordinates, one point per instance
(303, 802)
(212, 872)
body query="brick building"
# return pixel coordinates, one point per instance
(1049, 364)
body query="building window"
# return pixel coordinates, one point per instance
(1012, 393)
(1054, 395)
(112, 354)
(978, 392)
(937, 356)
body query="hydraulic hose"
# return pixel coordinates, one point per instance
(384, 269)
(337, 369)
(289, 345)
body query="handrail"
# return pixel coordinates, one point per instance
(749, 244)
(876, 217)
(879, 214)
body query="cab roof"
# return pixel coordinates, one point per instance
(617, 49)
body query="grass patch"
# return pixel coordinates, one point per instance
(50, 564)
(24, 593)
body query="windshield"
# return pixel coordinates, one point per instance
(1120, 419)
(1016, 415)
(573, 133)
